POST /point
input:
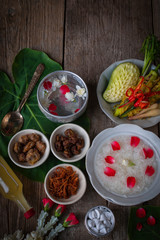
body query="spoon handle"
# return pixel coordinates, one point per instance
(35, 78)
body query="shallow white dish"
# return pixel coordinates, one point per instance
(73, 198)
(124, 129)
(81, 133)
(13, 156)
(107, 107)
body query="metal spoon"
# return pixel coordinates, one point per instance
(13, 121)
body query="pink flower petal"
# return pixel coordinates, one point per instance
(52, 107)
(47, 203)
(115, 146)
(151, 220)
(140, 213)
(139, 226)
(110, 172)
(134, 141)
(64, 89)
(148, 153)
(59, 210)
(77, 110)
(149, 171)
(110, 159)
(47, 85)
(131, 181)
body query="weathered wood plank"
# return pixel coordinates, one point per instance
(99, 33)
(38, 25)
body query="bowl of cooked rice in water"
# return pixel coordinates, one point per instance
(123, 164)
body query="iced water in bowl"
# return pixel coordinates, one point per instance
(62, 93)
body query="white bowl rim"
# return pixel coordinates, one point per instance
(41, 161)
(63, 117)
(76, 157)
(79, 173)
(154, 141)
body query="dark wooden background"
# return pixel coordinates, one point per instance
(85, 36)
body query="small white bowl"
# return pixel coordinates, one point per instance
(73, 198)
(13, 156)
(80, 132)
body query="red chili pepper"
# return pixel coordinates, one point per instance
(129, 89)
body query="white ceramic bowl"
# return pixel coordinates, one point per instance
(128, 130)
(73, 198)
(66, 110)
(107, 107)
(13, 156)
(80, 132)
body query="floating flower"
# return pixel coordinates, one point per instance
(151, 221)
(59, 210)
(47, 85)
(71, 220)
(139, 226)
(54, 113)
(64, 79)
(115, 146)
(52, 107)
(149, 171)
(77, 110)
(141, 213)
(69, 96)
(134, 141)
(80, 92)
(64, 89)
(56, 83)
(110, 172)
(110, 159)
(47, 203)
(148, 153)
(131, 181)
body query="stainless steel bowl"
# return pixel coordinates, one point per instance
(66, 109)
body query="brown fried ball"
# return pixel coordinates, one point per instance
(41, 146)
(32, 156)
(24, 139)
(28, 146)
(34, 137)
(22, 157)
(17, 147)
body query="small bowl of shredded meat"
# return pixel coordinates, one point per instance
(28, 148)
(65, 184)
(69, 142)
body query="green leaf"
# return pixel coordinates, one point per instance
(148, 232)
(130, 163)
(11, 94)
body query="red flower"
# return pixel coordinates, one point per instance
(148, 153)
(134, 141)
(52, 107)
(110, 172)
(47, 203)
(77, 110)
(110, 159)
(59, 210)
(47, 85)
(140, 213)
(131, 181)
(70, 221)
(139, 226)
(64, 89)
(115, 146)
(149, 171)
(151, 221)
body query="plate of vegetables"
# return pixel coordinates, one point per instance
(128, 91)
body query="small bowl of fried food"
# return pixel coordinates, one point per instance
(65, 184)
(28, 148)
(69, 142)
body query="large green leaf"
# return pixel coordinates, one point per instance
(147, 232)
(11, 94)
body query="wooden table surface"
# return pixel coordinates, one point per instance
(85, 36)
